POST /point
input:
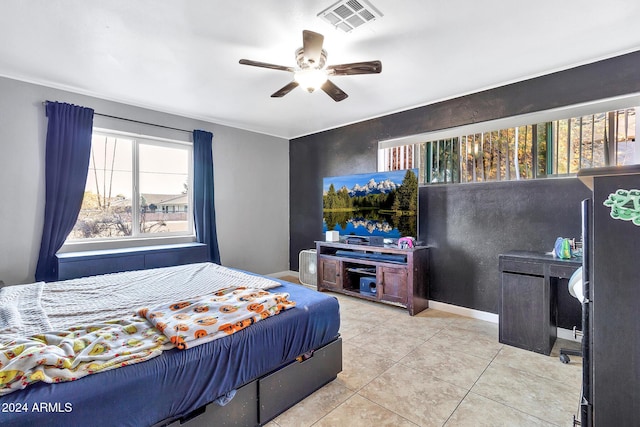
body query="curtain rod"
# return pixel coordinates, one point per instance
(134, 121)
(143, 123)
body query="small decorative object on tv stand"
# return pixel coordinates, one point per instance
(332, 236)
(401, 275)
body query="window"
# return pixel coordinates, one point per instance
(536, 150)
(137, 187)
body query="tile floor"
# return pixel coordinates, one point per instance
(436, 369)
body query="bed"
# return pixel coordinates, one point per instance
(246, 378)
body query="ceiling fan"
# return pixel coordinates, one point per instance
(311, 72)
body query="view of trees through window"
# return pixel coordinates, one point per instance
(557, 148)
(135, 187)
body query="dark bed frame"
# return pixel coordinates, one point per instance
(255, 403)
(263, 399)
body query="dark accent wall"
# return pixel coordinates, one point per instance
(467, 224)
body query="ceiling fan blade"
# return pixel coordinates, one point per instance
(369, 67)
(265, 65)
(312, 45)
(285, 90)
(333, 91)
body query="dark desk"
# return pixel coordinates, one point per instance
(528, 307)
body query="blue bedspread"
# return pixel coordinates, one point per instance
(178, 382)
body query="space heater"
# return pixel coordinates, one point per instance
(307, 262)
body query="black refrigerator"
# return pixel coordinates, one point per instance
(611, 363)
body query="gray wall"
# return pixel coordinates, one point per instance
(468, 224)
(243, 162)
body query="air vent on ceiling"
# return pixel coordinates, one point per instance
(350, 14)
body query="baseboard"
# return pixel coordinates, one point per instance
(565, 334)
(464, 311)
(283, 274)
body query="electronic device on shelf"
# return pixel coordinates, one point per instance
(356, 240)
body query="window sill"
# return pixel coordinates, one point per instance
(124, 251)
(100, 245)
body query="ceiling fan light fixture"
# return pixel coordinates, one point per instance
(311, 72)
(310, 79)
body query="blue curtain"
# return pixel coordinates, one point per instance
(66, 165)
(203, 204)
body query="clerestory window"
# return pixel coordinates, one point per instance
(550, 148)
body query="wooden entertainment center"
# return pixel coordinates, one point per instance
(376, 273)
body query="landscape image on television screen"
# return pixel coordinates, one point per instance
(374, 204)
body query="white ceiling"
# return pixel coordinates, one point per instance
(182, 56)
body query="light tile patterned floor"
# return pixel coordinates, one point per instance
(436, 369)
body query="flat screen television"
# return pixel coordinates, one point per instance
(381, 204)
